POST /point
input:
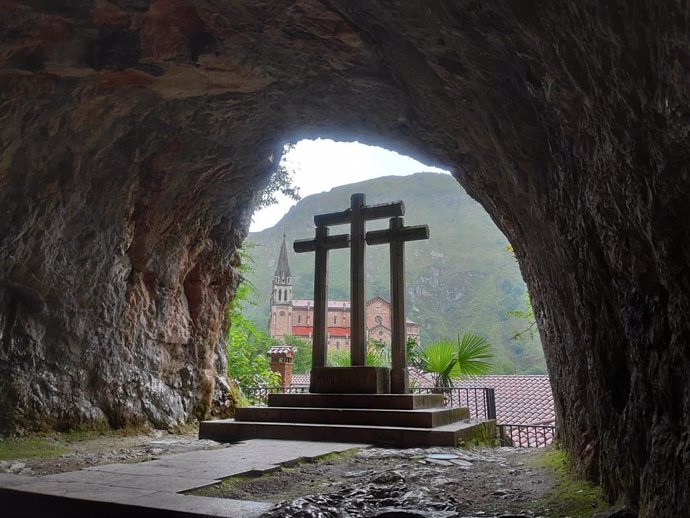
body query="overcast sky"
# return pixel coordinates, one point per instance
(319, 165)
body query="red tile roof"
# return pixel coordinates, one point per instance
(332, 304)
(282, 349)
(519, 399)
(301, 379)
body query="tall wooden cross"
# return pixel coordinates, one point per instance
(321, 244)
(357, 216)
(397, 234)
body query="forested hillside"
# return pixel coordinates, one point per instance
(462, 279)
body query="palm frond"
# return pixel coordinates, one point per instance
(473, 351)
(440, 360)
(338, 358)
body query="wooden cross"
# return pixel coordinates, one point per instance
(397, 235)
(357, 215)
(321, 244)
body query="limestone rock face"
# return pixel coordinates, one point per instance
(135, 133)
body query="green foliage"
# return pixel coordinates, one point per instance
(461, 278)
(375, 357)
(248, 363)
(303, 354)
(447, 360)
(570, 496)
(414, 350)
(27, 448)
(526, 314)
(473, 351)
(281, 182)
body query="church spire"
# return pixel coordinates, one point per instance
(283, 269)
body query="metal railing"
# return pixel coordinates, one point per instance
(481, 401)
(259, 395)
(526, 435)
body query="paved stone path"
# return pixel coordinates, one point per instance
(153, 488)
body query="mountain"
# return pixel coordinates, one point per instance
(461, 280)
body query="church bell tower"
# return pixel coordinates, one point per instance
(280, 321)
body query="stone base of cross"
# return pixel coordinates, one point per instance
(359, 378)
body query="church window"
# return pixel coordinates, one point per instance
(280, 294)
(282, 313)
(335, 320)
(299, 319)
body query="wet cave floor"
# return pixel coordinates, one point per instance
(432, 482)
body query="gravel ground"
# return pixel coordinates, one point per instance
(432, 483)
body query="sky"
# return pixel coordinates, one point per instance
(319, 165)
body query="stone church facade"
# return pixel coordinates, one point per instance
(295, 317)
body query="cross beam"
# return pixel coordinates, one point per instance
(357, 215)
(397, 234)
(321, 244)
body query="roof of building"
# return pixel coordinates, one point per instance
(378, 298)
(332, 304)
(283, 269)
(282, 349)
(519, 399)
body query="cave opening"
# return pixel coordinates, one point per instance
(464, 279)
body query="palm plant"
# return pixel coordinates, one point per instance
(446, 359)
(341, 358)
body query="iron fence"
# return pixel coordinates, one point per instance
(259, 395)
(481, 401)
(526, 435)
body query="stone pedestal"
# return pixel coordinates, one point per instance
(350, 380)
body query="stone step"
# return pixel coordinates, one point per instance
(382, 401)
(420, 418)
(229, 430)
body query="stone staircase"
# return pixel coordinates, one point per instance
(393, 420)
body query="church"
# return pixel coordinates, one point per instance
(295, 317)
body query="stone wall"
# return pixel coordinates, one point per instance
(135, 133)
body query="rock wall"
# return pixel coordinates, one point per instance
(135, 133)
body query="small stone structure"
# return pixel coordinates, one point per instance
(281, 362)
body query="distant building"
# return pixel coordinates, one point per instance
(295, 317)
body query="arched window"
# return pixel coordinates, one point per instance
(280, 294)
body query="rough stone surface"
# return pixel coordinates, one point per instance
(134, 134)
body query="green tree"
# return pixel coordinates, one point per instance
(246, 351)
(374, 358)
(281, 182)
(447, 360)
(525, 314)
(303, 353)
